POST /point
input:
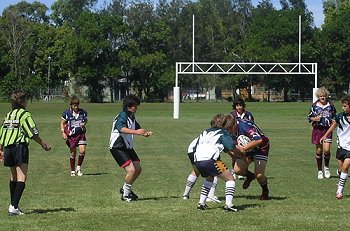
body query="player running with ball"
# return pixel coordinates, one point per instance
(205, 157)
(257, 149)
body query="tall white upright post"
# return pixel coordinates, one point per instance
(176, 95)
(299, 42)
(314, 98)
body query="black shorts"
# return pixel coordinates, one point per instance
(16, 154)
(123, 156)
(342, 154)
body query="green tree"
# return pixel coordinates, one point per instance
(20, 26)
(334, 44)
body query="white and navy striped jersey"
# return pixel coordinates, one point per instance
(343, 131)
(122, 140)
(211, 143)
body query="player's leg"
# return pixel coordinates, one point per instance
(208, 170)
(18, 175)
(241, 168)
(340, 166)
(344, 156)
(318, 156)
(73, 153)
(230, 187)
(191, 180)
(211, 195)
(260, 166)
(82, 151)
(204, 192)
(133, 170)
(327, 157)
(343, 178)
(236, 176)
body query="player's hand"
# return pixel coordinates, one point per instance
(317, 118)
(147, 134)
(46, 147)
(322, 140)
(64, 136)
(1, 156)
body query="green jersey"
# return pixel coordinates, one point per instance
(18, 127)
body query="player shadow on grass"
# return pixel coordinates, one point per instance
(96, 174)
(42, 211)
(256, 197)
(157, 198)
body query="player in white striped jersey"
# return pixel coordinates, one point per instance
(342, 123)
(121, 144)
(206, 158)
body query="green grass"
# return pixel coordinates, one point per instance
(55, 201)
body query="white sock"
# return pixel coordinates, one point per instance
(213, 187)
(342, 180)
(127, 189)
(191, 180)
(230, 192)
(205, 191)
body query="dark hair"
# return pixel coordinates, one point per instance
(74, 100)
(346, 99)
(17, 99)
(238, 101)
(129, 101)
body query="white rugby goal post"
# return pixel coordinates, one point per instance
(234, 68)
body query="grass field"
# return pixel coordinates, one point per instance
(55, 201)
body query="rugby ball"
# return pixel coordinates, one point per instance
(243, 140)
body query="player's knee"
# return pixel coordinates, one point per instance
(259, 176)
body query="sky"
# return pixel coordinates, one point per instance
(315, 6)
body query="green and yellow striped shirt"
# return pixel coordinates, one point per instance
(18, 127)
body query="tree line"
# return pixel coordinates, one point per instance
(135, 45)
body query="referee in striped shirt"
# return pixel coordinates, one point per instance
(17, 129)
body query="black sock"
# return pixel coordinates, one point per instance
(250, 175)
(18, 193)
(12, 189)
(264, 186)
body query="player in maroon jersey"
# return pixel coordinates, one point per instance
(257, 150)
(239, 112)
(320, 116)
(73, 122)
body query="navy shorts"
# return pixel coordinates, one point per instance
(16, 154)
(124, 156)
(210, 167)
(342, 154)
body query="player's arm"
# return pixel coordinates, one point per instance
(140, 131)
(1, 152)
(233, 150)
(62, 125)
(85, 120)
(238, 153)
(252, 144)
(121, 126)
(43, 144)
